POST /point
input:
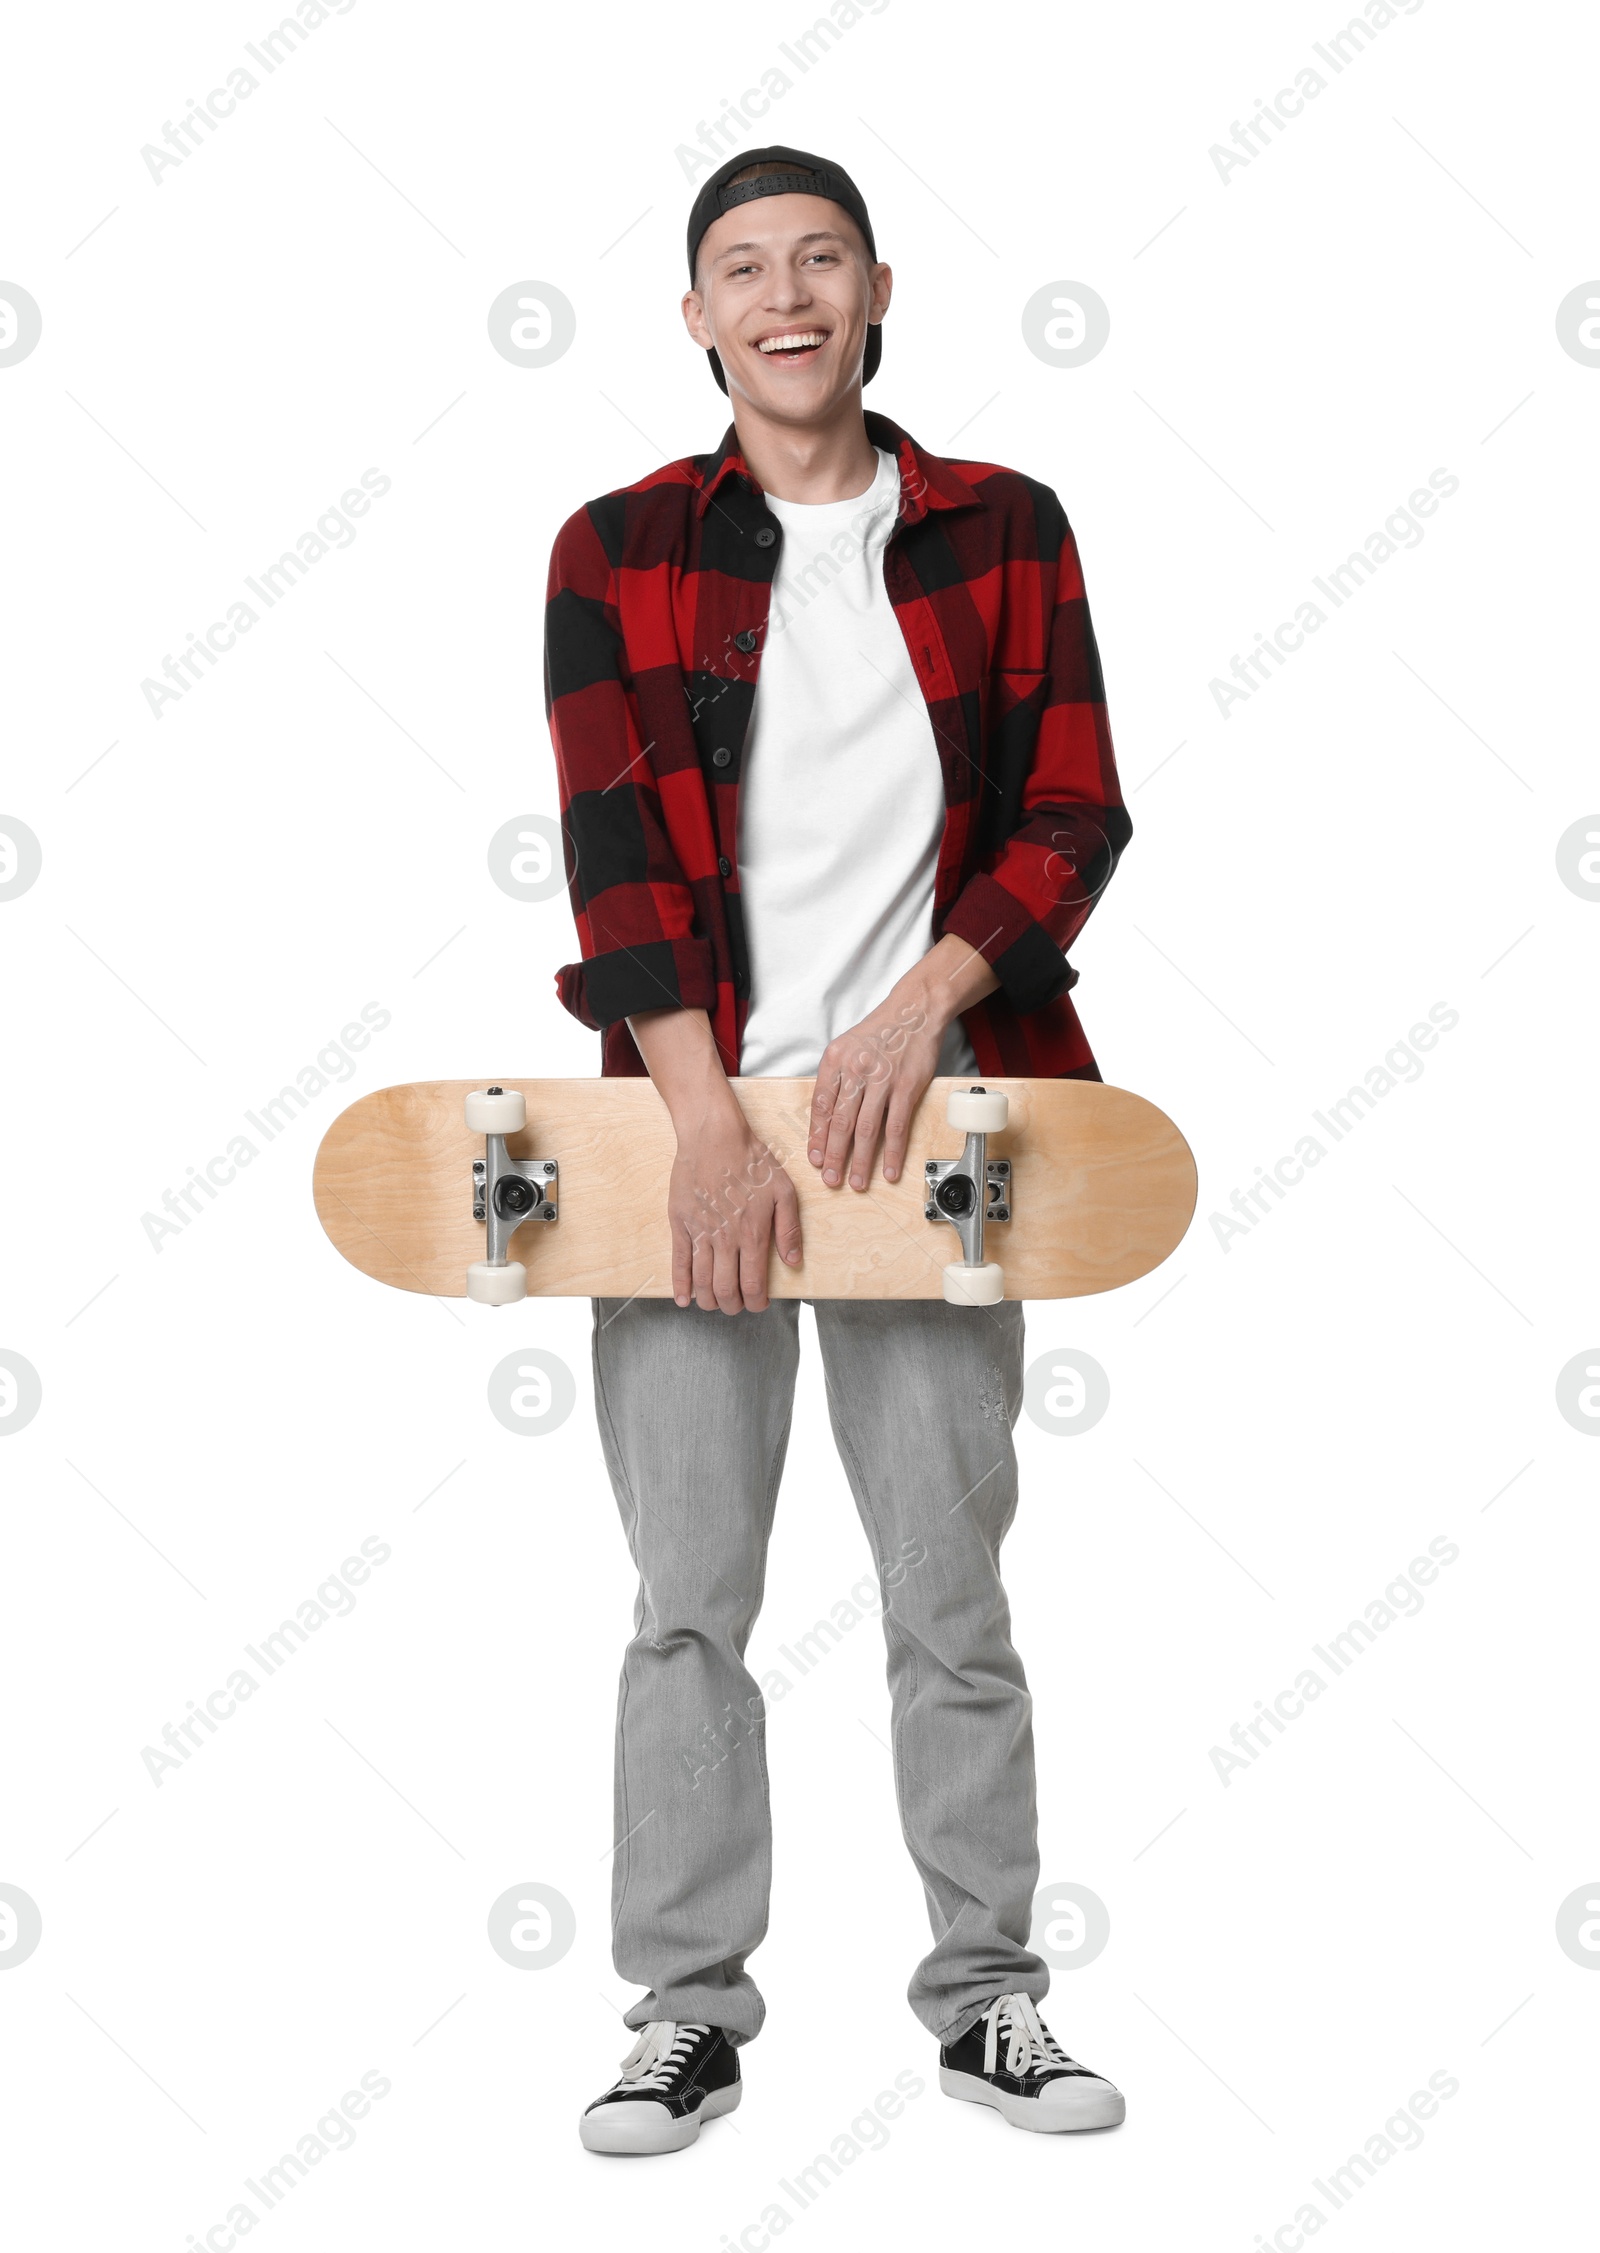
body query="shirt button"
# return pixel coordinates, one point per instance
(745, 641)
(721, 756)
(724, 866)
(740, 981)
(765, 537)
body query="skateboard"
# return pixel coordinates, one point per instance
(1012, 1188)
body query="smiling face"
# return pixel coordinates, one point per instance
(785, 294)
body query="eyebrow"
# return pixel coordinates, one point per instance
(818, 235)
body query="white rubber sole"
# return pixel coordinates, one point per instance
(1090, 2104)
(637, 2126)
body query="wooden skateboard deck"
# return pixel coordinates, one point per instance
(1102, 1188)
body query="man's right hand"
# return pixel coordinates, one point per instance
(729, 1195)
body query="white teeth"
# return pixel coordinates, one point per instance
(791, 343)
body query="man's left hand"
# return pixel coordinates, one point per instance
(871, 1079)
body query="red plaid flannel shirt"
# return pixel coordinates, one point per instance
(654, 623)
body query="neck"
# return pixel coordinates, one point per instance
(831, 459)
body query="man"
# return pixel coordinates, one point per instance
(838, 792)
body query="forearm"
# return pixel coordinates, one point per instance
(950, 977)
(681, 1057)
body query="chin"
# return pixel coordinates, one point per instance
(798, 391)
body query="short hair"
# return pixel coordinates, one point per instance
(765, 170)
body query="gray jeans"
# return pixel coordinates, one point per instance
(694, 1411)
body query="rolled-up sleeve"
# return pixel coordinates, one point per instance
(633, 908)
(1024, 907)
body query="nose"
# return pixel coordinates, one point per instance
(788, 291)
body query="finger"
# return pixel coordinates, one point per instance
(705, 1296)
(869, 1120)
(786, 1221)
(823, 1097)
(841, 1132)
(682, 1257)
(897, 1133)
(725, 1272)
(753, 1264)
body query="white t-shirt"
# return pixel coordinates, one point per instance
(841, 809)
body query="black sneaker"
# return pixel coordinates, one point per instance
(674, 2077)
(1011, 2060)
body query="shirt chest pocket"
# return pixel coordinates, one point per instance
(1014, 702)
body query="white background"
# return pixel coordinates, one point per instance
(1292, 1419)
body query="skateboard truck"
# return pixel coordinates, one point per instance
(506, 1191)
(969, 1190)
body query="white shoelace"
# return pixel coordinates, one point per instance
(1029, 2047)
(662, 2047)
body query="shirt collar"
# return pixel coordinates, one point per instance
(926, 481)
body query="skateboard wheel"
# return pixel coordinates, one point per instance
(494, 1113)
(981, 1285)
(982, 1113)
(497, 1286)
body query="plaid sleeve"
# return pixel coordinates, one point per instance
(634, 910)
(1024, 907)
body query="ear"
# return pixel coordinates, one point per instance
(694, 320)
